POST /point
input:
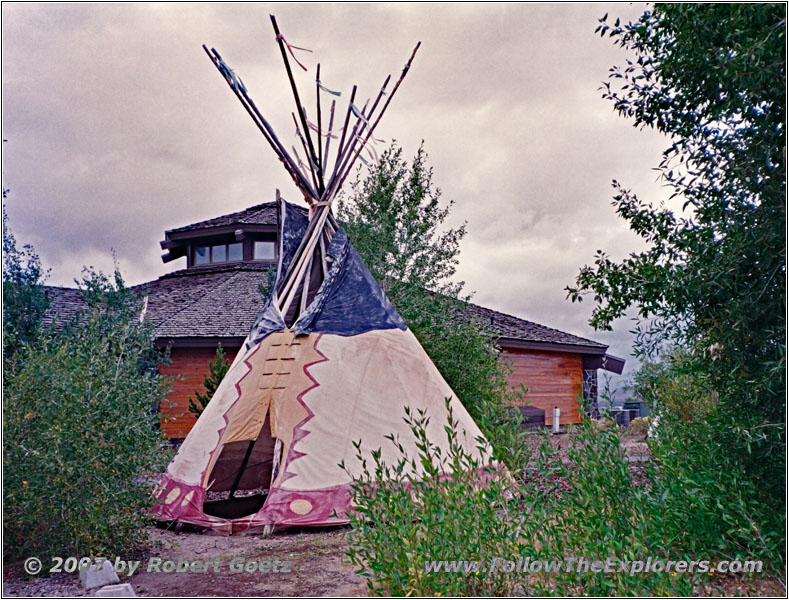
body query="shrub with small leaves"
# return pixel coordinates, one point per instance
(80, 439)
(24, 297)
(456, 509)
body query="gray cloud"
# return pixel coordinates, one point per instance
(119, 128)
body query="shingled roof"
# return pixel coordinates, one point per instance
(260, 214)
(223, 303)
(512, 328)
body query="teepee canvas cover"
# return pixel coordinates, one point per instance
(342, 373)
(328, 362)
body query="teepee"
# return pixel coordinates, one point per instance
(327, 363)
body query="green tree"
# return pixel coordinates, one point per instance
(217, 369)
(711, 284)
(713, 78)
(24, 297)
(395, 219)
(81, 441)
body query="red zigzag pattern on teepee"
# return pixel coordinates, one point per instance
(299, 433)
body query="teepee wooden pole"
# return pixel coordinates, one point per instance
(305, 289)
(323, 254)
(264, 127)
(367, 117)
(352, 141)
(322, 225)
(306, 153)
(280, 41)
(289, 284)
(320, 220)
(328, 136)
(243, 468)
(318, 103)
(291, 279)
(342, 137)
(380, 114)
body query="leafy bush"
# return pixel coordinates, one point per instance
(80, 431)
(683, 505)
(713, 277)
(403, 521)
(24, 298)
(708, 503)
(675, 384)
(602, 512)
(717, 503)
(692, 500)
(639, 427)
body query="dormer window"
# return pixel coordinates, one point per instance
(219, 253)
(249, 236)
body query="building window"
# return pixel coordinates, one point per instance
(202, 255)
(264, 251)
(235, 252)
(219, 253)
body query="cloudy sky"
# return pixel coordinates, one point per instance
(118, 127)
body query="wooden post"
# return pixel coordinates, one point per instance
(264, 127)
(244, 463)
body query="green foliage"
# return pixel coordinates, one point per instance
(24, 298)
(600, 513)
(80, 431)
(403, 520)
(395, 220)
(716, 503)
(713, 280)
(674, 385)
(588, 505)
(269, 277)
(708, 503)
(689, 502)
(217, 368)
(639, 427)
(685, 503)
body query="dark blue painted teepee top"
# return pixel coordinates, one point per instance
(348, 302)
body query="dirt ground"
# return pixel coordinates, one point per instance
(309, 564)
